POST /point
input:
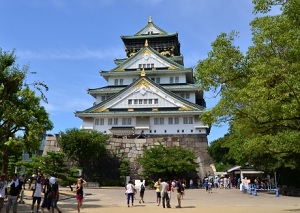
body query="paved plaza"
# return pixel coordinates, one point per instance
(113, 200)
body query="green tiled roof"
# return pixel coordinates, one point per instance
(195, 106)
(172, 87)
(138, 113)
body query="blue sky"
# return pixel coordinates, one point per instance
(67, 42)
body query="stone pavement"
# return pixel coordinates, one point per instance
(112, 199)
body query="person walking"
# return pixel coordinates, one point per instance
(164, 194)
(179, 189)
(79, 193)
(14, 194)
(157, 186)
(142, 192)
(53, 195)
(3, 190)
(37, 195)
(130, 192)
(46, 191)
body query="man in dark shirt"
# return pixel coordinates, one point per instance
(14, 194)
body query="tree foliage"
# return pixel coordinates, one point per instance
(124, 169)
(53, 164)
(85, 147)
(23, 119)
(167, 162)
(259, 90)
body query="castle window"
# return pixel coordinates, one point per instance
(150, 101)
(171, 80)
(165, 131)
(177, 130)
(158, 121)
(154, 131)
(126, 121)
(121, 81)
(187, 96)
(102, 121)
(182, 131)
(176, 120)
(109, 122)
(170, 120)
(176, 79)
(145, 101)
(116, 81)
(129, 101)
(140, 101)
(103, 98)
(99, 121)
(155, 101)
(135, 101)
(188, 120)
(115, 121)
(192, 130)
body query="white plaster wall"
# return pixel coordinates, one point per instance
(155, 129)
(164, 79)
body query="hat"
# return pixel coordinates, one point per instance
(52, 180)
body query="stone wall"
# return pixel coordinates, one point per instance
(131, 149)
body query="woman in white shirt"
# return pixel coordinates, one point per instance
(130, 190)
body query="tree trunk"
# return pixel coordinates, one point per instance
(5, 162)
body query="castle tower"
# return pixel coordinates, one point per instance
(150, 99)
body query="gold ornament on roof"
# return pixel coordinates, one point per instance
(143, 83)
(183, 108)
(146, 43)
(143, 73)
(102, 109)
(150, 19)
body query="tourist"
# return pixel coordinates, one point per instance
(53, 195)
(79, 193)
(3, 189)
(179, 189)
(14, 194)
(157, 186)
(164, 194)
(142, 192)
(191, 183)
(46, 190)
(23, 179)
(130, 192)
(37, 194)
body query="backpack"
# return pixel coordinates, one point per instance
(143, 187)
(52, 192)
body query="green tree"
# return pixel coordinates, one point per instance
(85, 147)
(259, 90)
(21, 112)
(53, 164)
(220, 152)
(124, 169)
(167, 162)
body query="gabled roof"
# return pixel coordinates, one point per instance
(150, 28)
(143, 83)
(143, 55)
